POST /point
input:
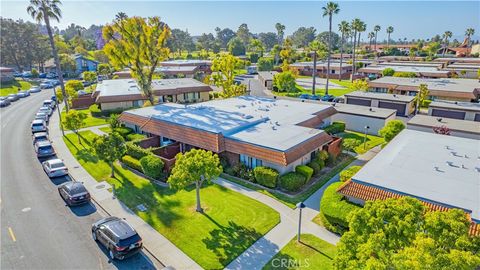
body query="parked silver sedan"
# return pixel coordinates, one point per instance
(54, 168)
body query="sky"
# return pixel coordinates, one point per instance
(410, 19)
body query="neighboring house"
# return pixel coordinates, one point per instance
(382, 47)
(266, 78)
(202, 65)
(457, 128)
(85, 64)
(357, 117)
(125, 93)
(167, 72)
(456, 110)
(277, 133)
(6, 74)
(421, 70)
(441, 171)
(306, 68)
(439, 89)
(464, 70)
(403, 104)
(451, 60)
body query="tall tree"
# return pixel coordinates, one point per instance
(421, 96)
(376, 29)
(256, 46)
(318, 50)
(206, 42)
(329, 10)
(140, 44)
(195, 167)
(389, 32)
(446, 36)
(180, 40)
(356, 25)
(44, 11)
(303, 36)
(469, 33)
(223, 75)
(244, 34)
(236, 47)
(280, 32)
(344, 28)
(109, 148)
(75, 120)
(224, 35)
(269, 39)
(371, 35)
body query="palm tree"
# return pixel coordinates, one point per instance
(318, 49)
(344, 28)
(328, 10)
(470, 32)
(356, 24)
(371, 35)
(446, 36)
(376, 29)
(43, 11)
(389, 31)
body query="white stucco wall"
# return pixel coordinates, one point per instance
(357, 123)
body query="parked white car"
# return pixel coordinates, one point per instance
(46, 109)
(54, 168)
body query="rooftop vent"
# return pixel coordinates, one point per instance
(276, 123)
(370, 109)
(394, 95)
(274, 128)
(440, 120)
(447, 147)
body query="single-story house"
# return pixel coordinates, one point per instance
(202, 65)
(125, 93)
(464, 70)
(451, 60)
(382, 47)
(441, 171)
(177, 71)
(357, 117)
(266, 78)
(306, 68)
(456, 127)
(85, 64)
(255, 131)
(421, 71)
(403, 104)
(456, 110)
(439, 89)
(6, 74)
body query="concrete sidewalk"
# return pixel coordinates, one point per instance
(155, 243)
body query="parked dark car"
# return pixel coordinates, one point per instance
(12, 97)
(304, 96)
(42, 75)
(40, 136)
(4, 102)
(44, 149)
(54, 98)
(39, 126)
(315, 97)
(328, 98)
(117, 236)
(74, 193)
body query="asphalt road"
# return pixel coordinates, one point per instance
(37, 230)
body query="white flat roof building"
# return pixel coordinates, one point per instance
(436, 168)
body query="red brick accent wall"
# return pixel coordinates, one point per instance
(82, 102)
(232, 158)
(335, 147)
(149, 142)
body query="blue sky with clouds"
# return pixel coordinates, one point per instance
(411, 19)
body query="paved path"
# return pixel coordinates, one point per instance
(159, 246)
(94, 129)
(257, 255)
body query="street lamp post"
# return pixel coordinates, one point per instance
(365, 139)
(300, 206)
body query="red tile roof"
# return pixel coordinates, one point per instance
(369, 193)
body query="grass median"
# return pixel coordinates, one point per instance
(231, 222)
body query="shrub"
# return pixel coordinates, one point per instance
(323, 155)
(241, 171)
(321, 163)
(292, 181)
(426, 103)
(350, 144)
(391, 129)
(113, 121)
(305, 171)
(95, 110)
(136, 151)
(331, 160)
(132, 163)
(123, 131)
(35, 73)
(405, 74)
(266, 176)
(265, 64)
(335, 127)
(135, 137)
(284, 82)
(152, 166)
(348, 173)
(388, 72)
(335, 208)
(74, 84)
(315, 166)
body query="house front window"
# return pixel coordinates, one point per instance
(250, 162)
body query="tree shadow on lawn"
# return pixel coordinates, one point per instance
(282, 261)
(315, 249)
(157, 210)
(228, 242)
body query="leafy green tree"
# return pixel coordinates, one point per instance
(303, 36)
(360, 84)
(404, 74)
(67, 63)
(140, 44)
(400, 234)
(265, 64)
(388, 72)
(391, 129)
(109, 148)
(223, 75)
(89, 76)
(280, 32)
(224, 36)
(104, 69)
(275, 51)
(195, 167)
(207, 42)
(243, 33)
(421, 96)
(71, 93)
(35, 73)
(236, 46)
(76, 85)
(75, 120)
(114, 121)
(269, 39)
(180, 41)
(346, 174)
(101, 57)
(287, 54)
(256, 46)
(44, 11)
(284, 81)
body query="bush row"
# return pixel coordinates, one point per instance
(336, 209)
(150, 165)
(136, 151)
(292, 181)
(335, 127)
(96, 112)
(132, 163)
(266, 176)
(348, 173)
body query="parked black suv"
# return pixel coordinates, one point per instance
(117, 236)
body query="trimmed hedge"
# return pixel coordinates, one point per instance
(96, 112)
(136, 151)
(335, 127)
(323, 155)
(426, 103)
(135, 137)
(348, 173)
(132, 163)
(336, 209)
(266, 176)
(315, 166)
(123, 131)
(152, 166)
(292, 181)
(305, 171)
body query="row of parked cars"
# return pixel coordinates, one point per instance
(115, 234)
(28, 74)
(328, 98)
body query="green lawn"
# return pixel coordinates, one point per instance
(12, 87)
(231, 223)
(311, 253)
(372, 141)
(91, 120)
